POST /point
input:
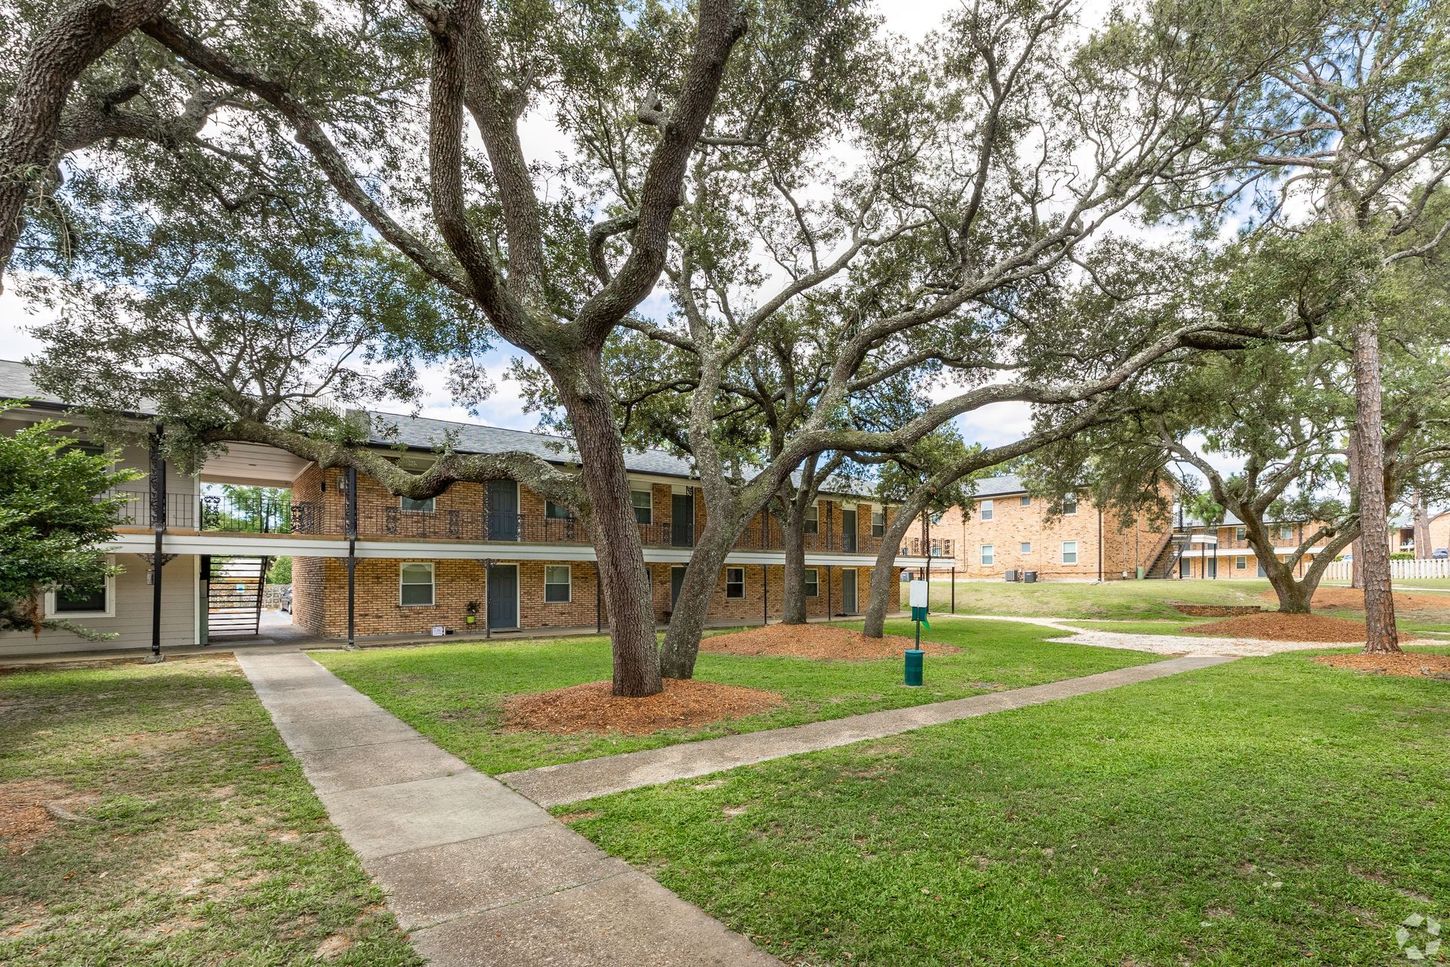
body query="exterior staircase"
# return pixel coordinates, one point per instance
(234, 596)
(1165, 564)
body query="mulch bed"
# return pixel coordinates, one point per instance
(1215, 610)
(1274, 626)
(591, 708)
(816, 641)
(1406, 665)
(1404, 600)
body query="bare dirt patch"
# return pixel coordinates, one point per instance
(816, 641)
(1408, 665)
(30, 810)
(1275, 626)
(1430, 605)
(591, 708)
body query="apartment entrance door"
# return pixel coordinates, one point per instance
(503, 597)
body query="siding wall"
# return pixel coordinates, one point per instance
(132, 620)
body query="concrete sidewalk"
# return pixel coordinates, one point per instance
(576, 781)
(474, 871)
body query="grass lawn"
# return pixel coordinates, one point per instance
(453, 693)
(196, 838)
(1121, 600)
(1269, 811)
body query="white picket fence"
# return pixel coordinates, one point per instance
(1399, 570)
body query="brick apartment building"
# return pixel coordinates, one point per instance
(1009, 531)
(496, 551)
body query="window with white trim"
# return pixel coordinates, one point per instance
(1069, 552)
(415, 584)
(557, 582)
(1241, 533)
(812, 519)
(735, 582)
(1026, 547)
(1286, 532)
(1069, 507)
(1025, 501)
(946, 548)
(555, 511)
(936, 548)
(411, 506)
(987, 509)
(1241, 563)
(878, 521)
(96, 602)
(989, 555)
(813, 582)
(644, 507)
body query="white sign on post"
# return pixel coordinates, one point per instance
(919, 594)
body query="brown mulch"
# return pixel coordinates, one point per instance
(1275, 626)
(816, 641)
(591, 708)
(1407, 665)
(1404, 600)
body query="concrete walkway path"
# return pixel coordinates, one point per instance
(577, 781)
(474, 871)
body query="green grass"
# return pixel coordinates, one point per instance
(1270, 811)
(1121, 600)
(198, 840)
(454, 693)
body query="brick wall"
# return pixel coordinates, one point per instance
(320, 596)
(1126, 541)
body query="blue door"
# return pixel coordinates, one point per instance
(503, 597)
(503, 510)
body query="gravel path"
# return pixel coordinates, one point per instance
(1197, 645)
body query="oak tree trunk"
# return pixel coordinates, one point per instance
(687, 623)
(885, 584)
(615, 534)
(1374, 551)
(793, 533)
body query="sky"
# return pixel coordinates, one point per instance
(989, 426)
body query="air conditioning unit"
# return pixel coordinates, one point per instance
(1012, 575)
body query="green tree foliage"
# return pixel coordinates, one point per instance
(55, 513)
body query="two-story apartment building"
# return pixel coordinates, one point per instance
(495, 551)
(1009, 530)
(1223, 551)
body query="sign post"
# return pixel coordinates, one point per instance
(919, 595)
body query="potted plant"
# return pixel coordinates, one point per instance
(471, 613)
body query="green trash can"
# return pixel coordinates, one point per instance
(913, 666)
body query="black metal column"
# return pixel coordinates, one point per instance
(350, 475)
(158, 527)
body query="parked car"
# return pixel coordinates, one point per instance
(1441, 553)
(286, 604)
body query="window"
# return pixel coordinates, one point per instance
(424, 506)
(1069, 552)
(905, 551)
(644, 508)
(1069, 507)
(735, 582)
(1241, 563)
(415, 584)
(813, 519)
(946, 548)
(878, 522)
(936, 548)
(1026, 547)
(1286, 532)
(1241, 533)
(813, 583)
(989, 555)
(987, 510)
(1026, 501)
(556, 583)
(97, 602)
(555, 511)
